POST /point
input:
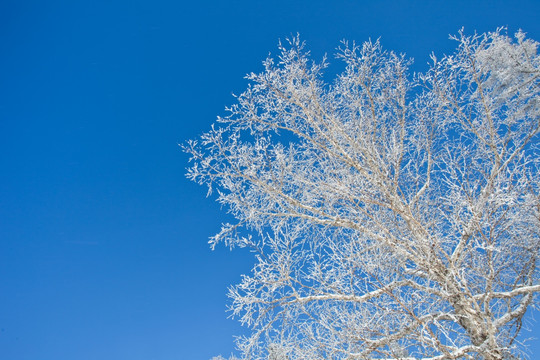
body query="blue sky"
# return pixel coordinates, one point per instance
(103, 242)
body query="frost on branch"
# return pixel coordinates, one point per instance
(391, 217)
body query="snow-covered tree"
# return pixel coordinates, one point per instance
(392, 216)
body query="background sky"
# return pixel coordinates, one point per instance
(103, 242)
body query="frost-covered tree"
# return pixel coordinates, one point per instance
(392, 216)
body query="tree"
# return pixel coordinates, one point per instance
(392, 216)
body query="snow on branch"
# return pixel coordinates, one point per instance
(391, 216)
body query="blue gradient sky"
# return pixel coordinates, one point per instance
(103, 242)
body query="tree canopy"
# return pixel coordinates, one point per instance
(392, 216)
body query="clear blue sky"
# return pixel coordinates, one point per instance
(103, 242)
